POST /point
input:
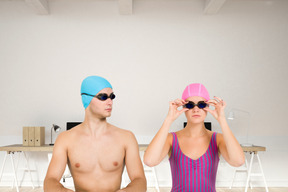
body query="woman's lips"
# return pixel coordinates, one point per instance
(195, 115)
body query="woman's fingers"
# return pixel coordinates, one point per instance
(212, 102)
(183, 110)
(179, 102)
(220, 101)
(217, 101)
(174, 105)
(174, 112)
(209, 110)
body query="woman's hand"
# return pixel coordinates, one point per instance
(173, 112)
(219, 105)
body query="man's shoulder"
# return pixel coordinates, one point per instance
(121, 130)
(124, 134)
(64, 139)
(68, 134)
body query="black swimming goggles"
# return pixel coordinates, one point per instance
(102, 96)
(191, 105)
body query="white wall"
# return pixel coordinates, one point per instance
(239, 54)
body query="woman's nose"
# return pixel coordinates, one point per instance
(195, 109)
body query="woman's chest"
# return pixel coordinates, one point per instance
(194, 148)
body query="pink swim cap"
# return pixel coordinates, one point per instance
(195, 89)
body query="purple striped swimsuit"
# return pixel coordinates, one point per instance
(194, 175)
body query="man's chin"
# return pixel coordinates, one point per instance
(104, 116)
(107, 115)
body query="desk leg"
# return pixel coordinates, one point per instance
(1, 173)
(240, 170)
(260, 165)
(234, 169)
(249, 172)
(156, 180)
(28, 169)
(17, 164)
(247, 167)
(124, 176)
(13, 167)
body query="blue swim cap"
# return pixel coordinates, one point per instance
(92, 85)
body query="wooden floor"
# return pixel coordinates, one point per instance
(29, 189)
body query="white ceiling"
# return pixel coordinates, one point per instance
(41, 7)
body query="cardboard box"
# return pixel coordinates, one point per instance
(39, 136)
(33, 136)
(25, 136)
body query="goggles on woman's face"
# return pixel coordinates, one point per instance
(191, 105)
(102, 96)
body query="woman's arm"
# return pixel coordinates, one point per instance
(161, 143)
(229, 146)
(227, 143)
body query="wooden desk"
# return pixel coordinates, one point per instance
(143, 147)
(11, 149)
(253, 150)
(18, 148)
(49, 148)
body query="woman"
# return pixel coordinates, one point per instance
(194, 151)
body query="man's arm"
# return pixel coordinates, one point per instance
(57, 166)
(134, 166)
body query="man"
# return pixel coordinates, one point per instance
(96, 151)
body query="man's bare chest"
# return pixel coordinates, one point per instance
(98, 158)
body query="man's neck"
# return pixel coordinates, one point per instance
(95, 126)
